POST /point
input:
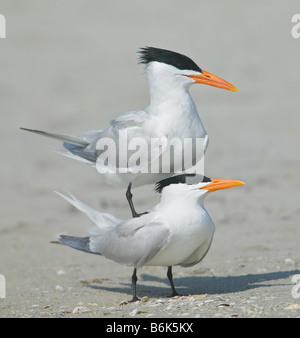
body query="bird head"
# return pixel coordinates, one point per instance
(194, 185)
(166, 65)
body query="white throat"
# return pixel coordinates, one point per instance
(168, 90)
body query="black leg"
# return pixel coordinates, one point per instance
(129, 199)
(134, 280)
(170, 277)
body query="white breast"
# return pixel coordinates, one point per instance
(190, 239)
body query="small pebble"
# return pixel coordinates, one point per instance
(199, 304)
(145, 299)
(170, 307)
(223, 305)
(289, 261)
(134, 312)
(160, 301)
(80, 309)
(208, 301)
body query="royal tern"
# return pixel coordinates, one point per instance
(177, 231)
(170, 115)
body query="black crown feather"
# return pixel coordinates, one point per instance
(184, 178)
(149, 54)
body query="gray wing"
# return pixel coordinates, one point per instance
(132, 123)
(198, 254)
(128, 131)
(130, 120)
(133, 242)
(137, 142)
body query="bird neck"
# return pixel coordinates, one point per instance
(187, 202)
(168, 91)
(176, 113)
(172, 104)
(170, 101)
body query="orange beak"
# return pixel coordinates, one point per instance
(212, 80)
(220, 183)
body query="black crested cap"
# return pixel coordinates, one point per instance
(149, 54)
(184, 178)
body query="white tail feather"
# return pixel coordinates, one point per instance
(63, 137)
(103, 221)
(66, 153)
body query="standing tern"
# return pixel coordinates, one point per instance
(177, 231)
(171, 114)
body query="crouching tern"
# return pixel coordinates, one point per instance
(171, 114)
(177, 231)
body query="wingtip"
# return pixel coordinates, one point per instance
(32, 130)
(56, 242)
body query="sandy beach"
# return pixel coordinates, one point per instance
(72, 67)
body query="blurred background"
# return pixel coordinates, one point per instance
(72, 65)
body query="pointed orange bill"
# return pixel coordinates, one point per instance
(220, 183)
(212, 80)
